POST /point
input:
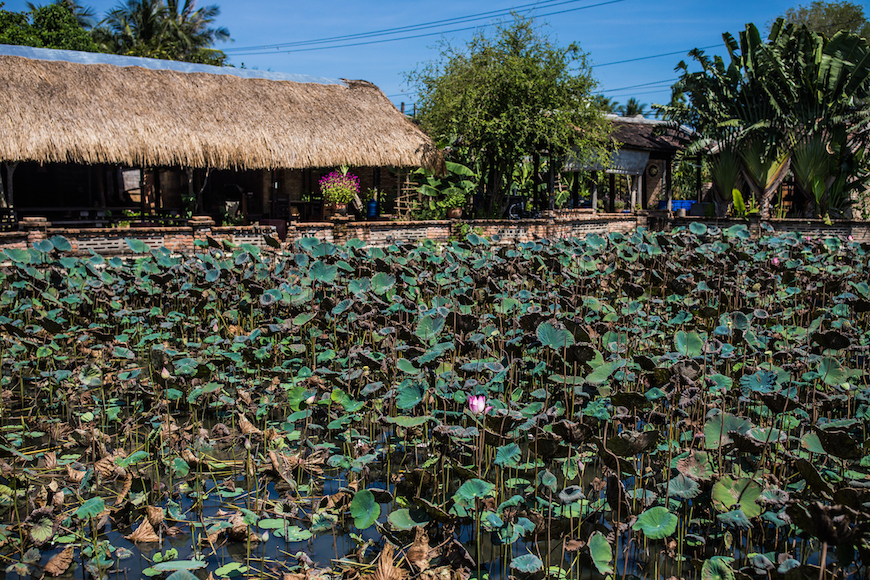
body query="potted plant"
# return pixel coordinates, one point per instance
(452, 201)
(338, 189)
(447, 194)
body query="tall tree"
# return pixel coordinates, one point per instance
(778, 97)
(500, 99)
(84, 15)
(828, 18)
(163, 29)
(632, 108)
(605, 104)
(50, 26)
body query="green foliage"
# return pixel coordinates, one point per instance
(167, 29)
(441, 193)
(501, 98)
(364, 509)
(49, 26)
(828, 18)
(601, 552)
(773, 98)
(656, 523)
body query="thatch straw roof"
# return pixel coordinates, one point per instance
(58, 111)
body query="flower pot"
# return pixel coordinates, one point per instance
(454, 213)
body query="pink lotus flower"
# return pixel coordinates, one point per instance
(775, 261)
(164, 374)
(851, 239)
(477, 405)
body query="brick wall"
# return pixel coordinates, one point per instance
(558, 224)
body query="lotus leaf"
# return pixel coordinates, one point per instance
(741, 493)
(527, 563)
(471, 490)
(716, 568)
(364, 509)
(601, 552)
(656, 523)
(405, 519)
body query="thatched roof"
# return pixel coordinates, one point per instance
(70, 112)
(648, 134)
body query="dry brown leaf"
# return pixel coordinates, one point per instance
(41, 497)
(59, 562)
(50, 461)
(75, 475)
(289, 576)
(385, 569)
(239, 531)
(144, 533)
(418, 553)
(245, 397)
(107, 467)
(122, 495)
(57, 500)
(281, 466)
(247, 427)
(156, 515)
(189, 456)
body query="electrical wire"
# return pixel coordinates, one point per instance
(409, 28)
(234, 54)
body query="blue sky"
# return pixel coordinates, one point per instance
(608, 30)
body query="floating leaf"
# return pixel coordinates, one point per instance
(173, 565)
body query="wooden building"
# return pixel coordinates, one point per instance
(87, 133)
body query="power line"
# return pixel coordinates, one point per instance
(420, 35)
(671, 81)
(409, 28)
(651, 56)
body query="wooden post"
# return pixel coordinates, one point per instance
(536, 179)
(643, 193)
(697, 176)
(551, 184)
(575, 191)
(611, 203)
(10, 191)
(594, 192)
(668, 184)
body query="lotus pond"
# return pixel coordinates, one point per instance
(689, 405)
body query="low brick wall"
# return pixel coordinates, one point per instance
(182, 239)
(859, 230)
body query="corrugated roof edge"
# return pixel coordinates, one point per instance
(156, 64)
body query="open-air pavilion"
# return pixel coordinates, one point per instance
(92, 138)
